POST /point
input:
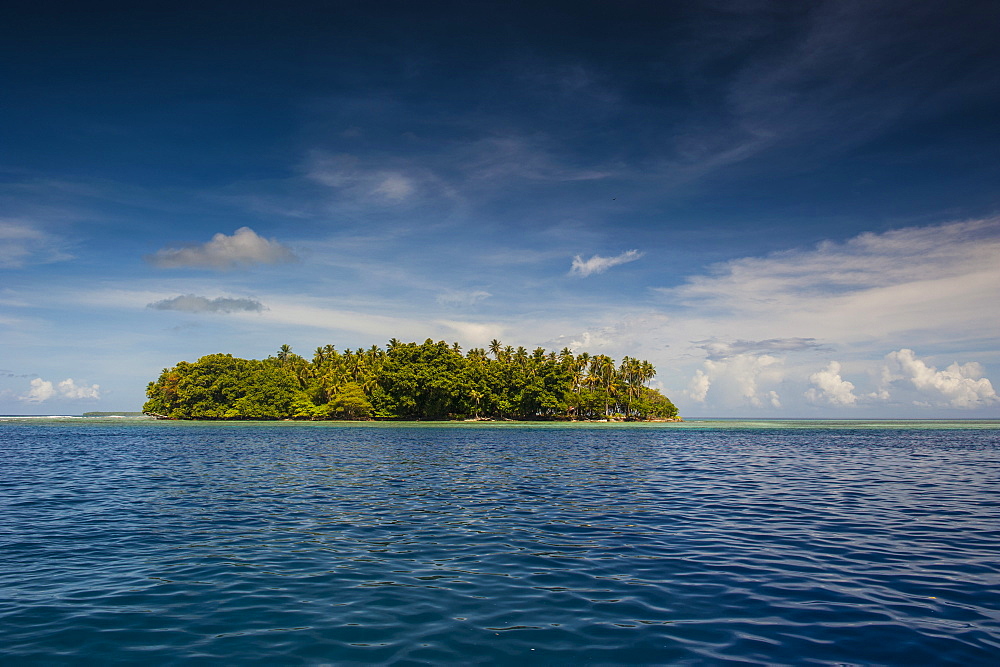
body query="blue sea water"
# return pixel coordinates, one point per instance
(129, 541)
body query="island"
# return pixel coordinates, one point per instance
(409, 381)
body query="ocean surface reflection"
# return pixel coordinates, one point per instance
(157, 542)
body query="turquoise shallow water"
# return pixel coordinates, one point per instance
(129, 541)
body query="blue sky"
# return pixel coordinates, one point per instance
(791, 209)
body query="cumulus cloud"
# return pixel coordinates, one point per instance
(697, 388)
(43, 390)
(958, 386)
(738, 380)
(70, 389)
(830, 388)
(190, 303)
(598, 264)
(243, 248)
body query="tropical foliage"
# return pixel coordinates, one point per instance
(429, 380)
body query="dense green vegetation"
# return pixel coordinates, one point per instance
(430, 380)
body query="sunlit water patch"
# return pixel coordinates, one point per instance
(132, 541)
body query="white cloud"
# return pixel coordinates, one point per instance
(69, 389)
(617, 333)
(830, 387)
(243, 248)
(698, 386)
(190, 303)
(773, 399)
(599, 264)
(921, 284)
(472, 333)
(866, 262)
(738, 380)
(588, 341)
(43, 390)
(958, 386)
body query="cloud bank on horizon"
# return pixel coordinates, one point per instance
(790, 210)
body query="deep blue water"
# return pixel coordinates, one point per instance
(783, 543)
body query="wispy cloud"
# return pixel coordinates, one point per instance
(459, 299)
(513, 156)
(847, 73)
(388, 184)
(243, 248)
(23, 243)
(190, 303)
(598, 264)
(873, 286)
(718, 350)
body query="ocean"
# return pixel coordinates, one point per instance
(129, 541)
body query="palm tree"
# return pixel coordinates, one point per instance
(476, 396)
(602, 370)
(629, 376)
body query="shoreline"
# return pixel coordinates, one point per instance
(477, 420)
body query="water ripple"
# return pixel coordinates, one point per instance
(137, 543)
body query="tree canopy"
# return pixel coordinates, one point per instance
(429, 380)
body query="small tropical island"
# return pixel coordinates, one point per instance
(411, 381)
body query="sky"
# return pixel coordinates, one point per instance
(791, 208)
